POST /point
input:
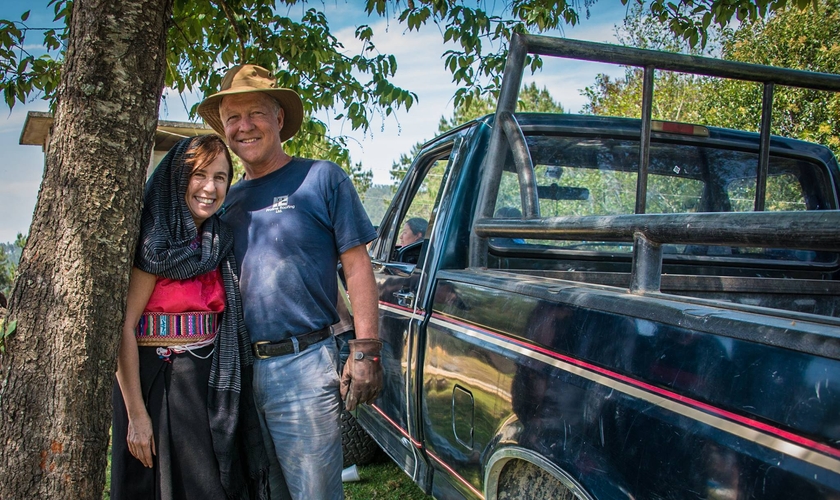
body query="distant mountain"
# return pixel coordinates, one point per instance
(376, 201)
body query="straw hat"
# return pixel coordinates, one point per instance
(250, 78)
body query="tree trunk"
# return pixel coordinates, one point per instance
(69, 298)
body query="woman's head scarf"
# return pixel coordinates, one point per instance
(171, 246)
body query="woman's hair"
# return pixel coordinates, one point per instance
(418, 225)
(203, 149)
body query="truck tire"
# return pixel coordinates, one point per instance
(521, 479)
(356, 444)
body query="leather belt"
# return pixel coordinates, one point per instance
(265, 349)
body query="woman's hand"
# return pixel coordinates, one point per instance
(141, 440)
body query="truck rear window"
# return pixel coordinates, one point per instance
(597, 176)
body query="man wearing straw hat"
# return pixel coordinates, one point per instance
(294, 219)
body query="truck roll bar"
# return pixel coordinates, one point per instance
(524, 164)
(810, 231)
(813, 230)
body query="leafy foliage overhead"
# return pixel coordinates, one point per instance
(23, 72)
(208, 36)
(691, 19)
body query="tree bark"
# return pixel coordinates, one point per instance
(69, 298)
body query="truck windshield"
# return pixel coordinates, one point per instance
(579, 176)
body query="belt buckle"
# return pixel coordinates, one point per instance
(257, 351)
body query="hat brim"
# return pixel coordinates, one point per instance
(289, 100)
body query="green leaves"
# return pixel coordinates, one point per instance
(206, 38)
(304, 55)
(414, 18)
(793, 38)
(23, 72)
(6, 331)
(691, 19)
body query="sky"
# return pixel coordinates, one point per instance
(420, 70)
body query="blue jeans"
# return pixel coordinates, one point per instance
(298, 401)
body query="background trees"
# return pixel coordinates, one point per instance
(9, 258)
(791, 38)
(531, 99)
(677, 96)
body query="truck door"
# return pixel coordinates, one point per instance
(401, 262)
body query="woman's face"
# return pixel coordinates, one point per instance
(207, 189)
(406, 236)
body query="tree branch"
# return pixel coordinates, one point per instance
(229, 14)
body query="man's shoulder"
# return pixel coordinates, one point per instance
(235, 188)
(314, 163)
(325, 171)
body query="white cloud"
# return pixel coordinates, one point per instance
(421, 70)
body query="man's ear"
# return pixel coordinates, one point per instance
(281, 118)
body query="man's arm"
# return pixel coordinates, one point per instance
(361, 379)
(364, 296)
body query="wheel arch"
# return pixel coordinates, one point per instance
(502, 456)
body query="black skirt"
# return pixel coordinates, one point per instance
(185, 465)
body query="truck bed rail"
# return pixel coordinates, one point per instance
(816, 230)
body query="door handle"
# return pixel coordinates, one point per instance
(404, 298)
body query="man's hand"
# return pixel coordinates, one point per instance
(361, 380)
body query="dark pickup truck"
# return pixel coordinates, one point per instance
(608, 308)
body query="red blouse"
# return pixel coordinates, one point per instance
(204, 293)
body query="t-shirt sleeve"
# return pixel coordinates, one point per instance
(351, 223)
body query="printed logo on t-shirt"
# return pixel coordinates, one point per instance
(280, 203)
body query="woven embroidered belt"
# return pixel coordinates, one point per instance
(161, 329)
(265, 349)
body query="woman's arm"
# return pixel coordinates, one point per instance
(141, 441)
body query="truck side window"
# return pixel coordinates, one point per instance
(580, 176)
(417, 220)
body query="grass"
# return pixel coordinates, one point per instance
(383, 480)
(379, 480)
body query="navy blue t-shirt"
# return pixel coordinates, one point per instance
(290, 227)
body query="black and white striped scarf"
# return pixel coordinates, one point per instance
(167, 247)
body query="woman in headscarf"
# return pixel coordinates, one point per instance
(184, 421)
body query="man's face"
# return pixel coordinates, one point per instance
(252, 124)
